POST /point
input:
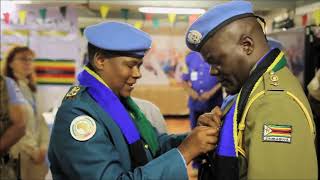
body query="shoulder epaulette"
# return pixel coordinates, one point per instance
(272, 82)
(73, 91)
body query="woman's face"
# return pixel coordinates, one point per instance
(121, 74)
(22, 64)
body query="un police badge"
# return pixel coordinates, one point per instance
(82, 128)
(194, 37)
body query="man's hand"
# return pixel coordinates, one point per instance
(201, 140)
(211, 119)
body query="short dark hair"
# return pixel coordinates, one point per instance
(93, 50)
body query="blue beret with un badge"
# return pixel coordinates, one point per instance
(215, 18)
(118, 38)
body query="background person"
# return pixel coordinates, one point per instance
(32, 148)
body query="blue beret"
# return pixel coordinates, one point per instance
(119, 38)
(274, 43)
(215, 18)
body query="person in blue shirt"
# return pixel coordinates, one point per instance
(99, 131)
(204, 90)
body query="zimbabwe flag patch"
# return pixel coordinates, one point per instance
(277, 133)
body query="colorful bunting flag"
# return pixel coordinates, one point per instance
(304, 20)
(125, 13)
(155, 22)
(172, 18)
(63, 11)
(6, 17)
(316, 15)
(148, 17)
(138, 24)
(22, 16)
(183, 18)
(104, 10)
(192, 18)
(43, 13)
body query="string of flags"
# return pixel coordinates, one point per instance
(125, 13)
(104, 12)
(315, 15)
(172, 18)
(22, 15)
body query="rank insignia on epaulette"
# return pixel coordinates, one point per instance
(274, 79)
(72, 92)
(276, 133)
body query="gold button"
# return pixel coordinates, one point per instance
(146, 146)
(274, 78)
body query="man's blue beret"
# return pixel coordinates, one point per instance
(215, 18)
(273, 43)
(118, 38)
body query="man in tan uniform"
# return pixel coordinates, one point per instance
(268, 130)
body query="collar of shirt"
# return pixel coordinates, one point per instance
(260, 60)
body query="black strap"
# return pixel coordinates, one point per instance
(138, 154)
(260, 69)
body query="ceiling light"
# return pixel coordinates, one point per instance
(18, 1)
(165, 10)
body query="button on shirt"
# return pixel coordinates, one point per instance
(199, 76)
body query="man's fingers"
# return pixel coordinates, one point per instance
(217, 119)
(212, 140)
(217, 110)
(207, 120)
(212, 131)
(209, 147)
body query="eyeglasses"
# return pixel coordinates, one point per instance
(24, 59)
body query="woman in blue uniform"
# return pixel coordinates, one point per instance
(100, 133)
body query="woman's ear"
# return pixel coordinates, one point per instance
(247, 44)
(98, 61)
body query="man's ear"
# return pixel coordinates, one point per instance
(247, 44)
(98, 60)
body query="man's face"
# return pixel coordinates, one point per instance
(227, 60)
(121, 73)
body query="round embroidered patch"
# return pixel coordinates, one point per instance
(82, 128)
(194, 37)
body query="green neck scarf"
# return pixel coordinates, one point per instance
(144, 126)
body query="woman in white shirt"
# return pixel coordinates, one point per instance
(33, 146)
